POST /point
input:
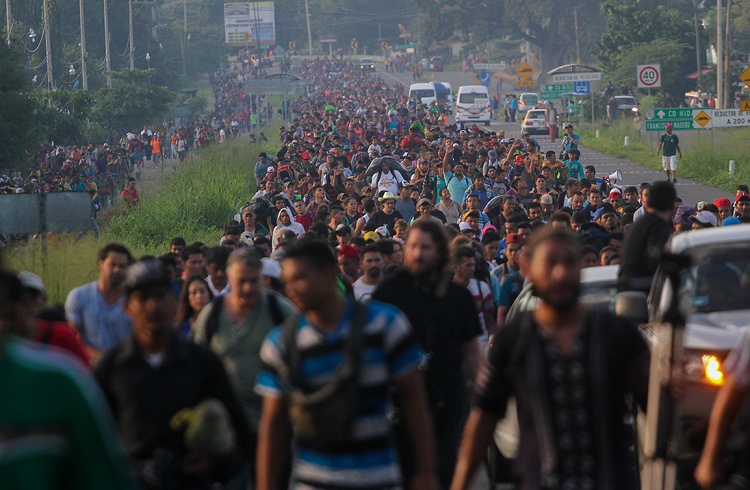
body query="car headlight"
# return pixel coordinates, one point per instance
(704, 368)
(634, 109)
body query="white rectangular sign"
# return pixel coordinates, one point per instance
(577, 77)
(489, 66)
(648, 76)
(730, 118)
(250, 23)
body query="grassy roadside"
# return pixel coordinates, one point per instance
(195, 202)
(704, 162)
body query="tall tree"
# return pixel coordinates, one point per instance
(16, 108)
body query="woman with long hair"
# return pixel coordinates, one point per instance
(194, 297)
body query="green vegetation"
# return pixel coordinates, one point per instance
(701, 162)
(195, 202)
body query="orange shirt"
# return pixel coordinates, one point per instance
(155, 146)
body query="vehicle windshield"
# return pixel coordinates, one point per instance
(599, 294)
(626, 101)
(365, 61)
(535, 115)
(472, 99)
(423, 93)
(719, 280)
(530, 99)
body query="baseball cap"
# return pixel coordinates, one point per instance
(492, 154)
(145, 273)
(682, 215)
(343, 229)
(668, 126)
(704, 217)
(571, 182)
(271, 268)
(731, 220)
(615, 194)
(30, 280)
(424, 200)
(371, 235)
(743, 198)
(546, 199)
(464, 226)
(348, 251)
(514, 238)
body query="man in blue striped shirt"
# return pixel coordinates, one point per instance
(389, 354)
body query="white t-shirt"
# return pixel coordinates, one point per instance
(387, 182)
(483, 299)
(363, 292)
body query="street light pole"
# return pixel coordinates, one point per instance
(309, 33)
(48, 46)
(84, 68)
(719, 59)
(9, 20)
(107, 57)
(130, 34)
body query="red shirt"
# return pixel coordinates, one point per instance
(131, 198)
(60, 334)
(305, 220)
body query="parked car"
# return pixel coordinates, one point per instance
(436, 63)
(366, 64)
(535, 122)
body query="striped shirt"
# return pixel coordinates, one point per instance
(389, 351)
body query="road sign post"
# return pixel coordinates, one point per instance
(582, 87)
(555, 91)
(649, 76)
(680, 119)
(484, 78)
(525, 71)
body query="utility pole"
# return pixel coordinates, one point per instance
(84, 68)
(578, 47)
(184, 34)
(528, 48)
(9, 20)
(697, 46)
(48, 46)
(130, 34)
(419, 36)
(727, 75)
(719, 59)
(107, 56)
(309, 33)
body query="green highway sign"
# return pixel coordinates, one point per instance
(555, 90)
(406, 46)
(680, 119)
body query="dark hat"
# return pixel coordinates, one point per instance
(146, 273)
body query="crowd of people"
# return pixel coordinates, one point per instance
(350, 328)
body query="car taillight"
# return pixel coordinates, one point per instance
(528, 123)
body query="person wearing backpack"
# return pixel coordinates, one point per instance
(569, 367)
(235, 325)
(325, 379)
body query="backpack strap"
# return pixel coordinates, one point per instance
(212, 322)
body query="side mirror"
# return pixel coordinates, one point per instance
(633, 306)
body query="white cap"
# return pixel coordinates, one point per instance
(464, 226)
(271, 268)
(31, 281)
(705, 217)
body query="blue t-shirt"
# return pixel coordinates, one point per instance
(510, 288)
(575, 169)
(390, 352)
(102, 325)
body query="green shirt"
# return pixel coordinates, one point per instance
(669, 144)
(238, 346)
(56, 427)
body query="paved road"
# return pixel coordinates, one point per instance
(633, 174)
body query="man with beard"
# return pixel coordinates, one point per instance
(96, 310)
(570, 369)
(446, 325)
(372, 263)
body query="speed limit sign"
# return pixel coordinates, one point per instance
(649, 76)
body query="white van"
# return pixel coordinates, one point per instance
(450, 96)
(473, 104)
(424, 92)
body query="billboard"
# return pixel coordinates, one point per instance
(249, 23)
